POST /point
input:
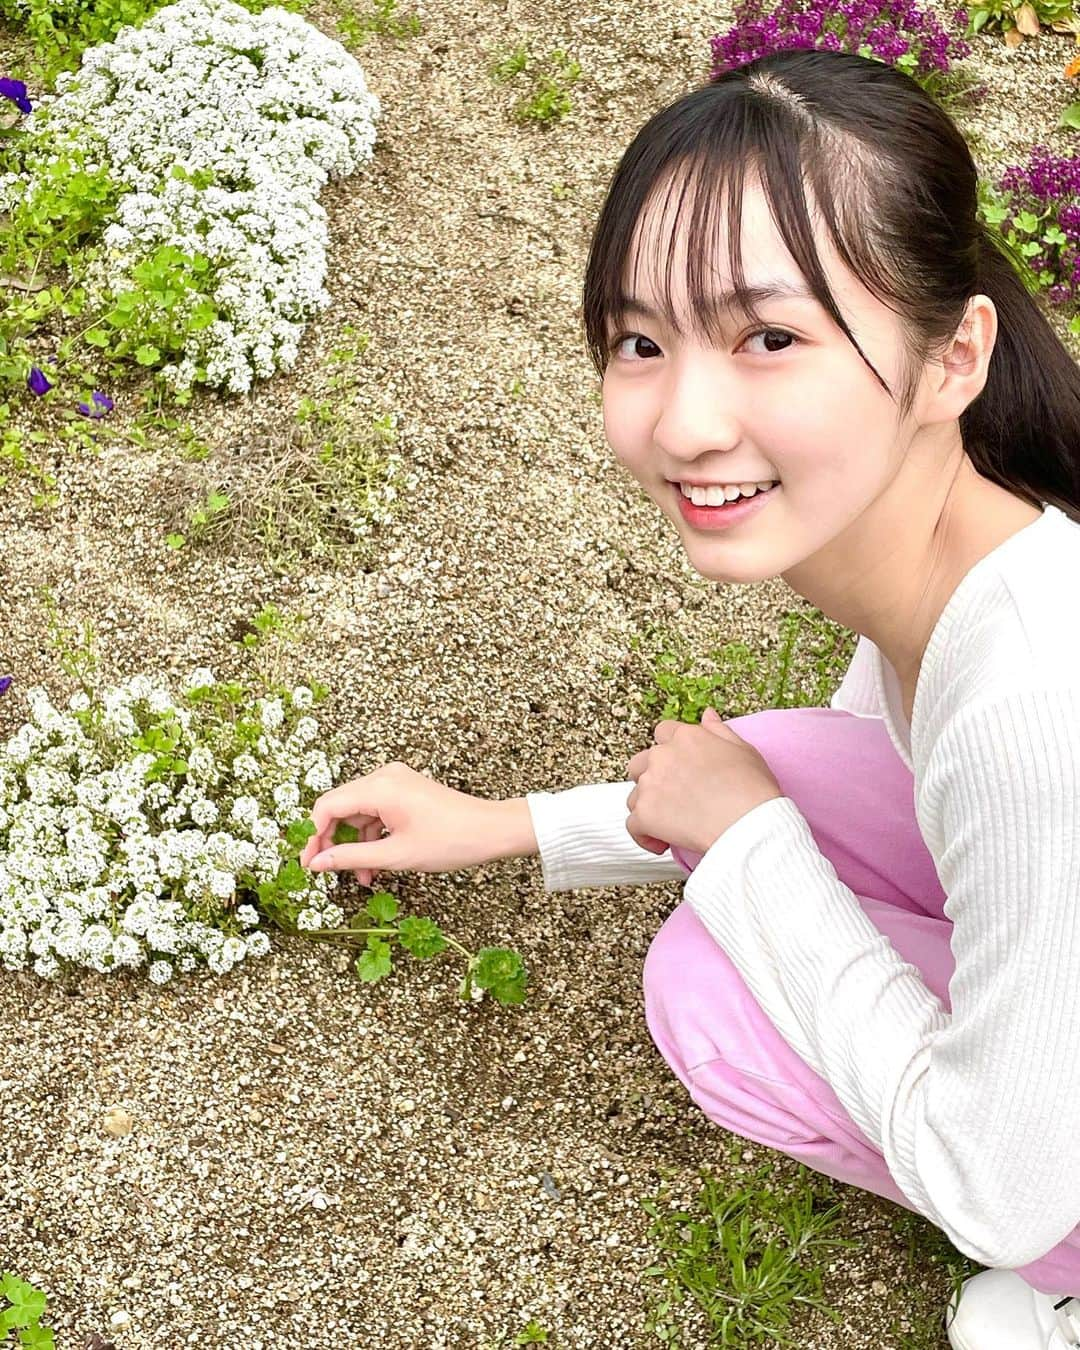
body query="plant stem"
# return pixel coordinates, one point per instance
(382, 932)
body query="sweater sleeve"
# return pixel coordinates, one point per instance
(582, 838)
(973, 1109)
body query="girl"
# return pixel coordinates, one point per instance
(836, 377)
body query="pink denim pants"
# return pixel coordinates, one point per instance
(844, 775)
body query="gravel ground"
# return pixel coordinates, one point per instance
(316, 1163)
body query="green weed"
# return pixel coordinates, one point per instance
(551, 75)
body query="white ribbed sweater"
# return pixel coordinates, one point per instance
(976, 1112)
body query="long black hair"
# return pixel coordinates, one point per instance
(898, 189)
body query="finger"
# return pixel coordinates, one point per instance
(326, 825)
(320, 840)
(350, 857)
(353, 798)
(323, 818)
(648, 841)
(371, 831)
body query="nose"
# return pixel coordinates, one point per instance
(698, 413)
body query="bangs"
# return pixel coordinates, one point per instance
(697, 154)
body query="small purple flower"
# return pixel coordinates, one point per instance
(103, 402)
(37, 381)
(5, 683)
(15, 90)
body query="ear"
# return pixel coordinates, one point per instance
(959, 376)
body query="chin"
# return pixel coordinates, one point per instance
(745, 576)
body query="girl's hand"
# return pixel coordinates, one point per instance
(694, 783)
(407, 823)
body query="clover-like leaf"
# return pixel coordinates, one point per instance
(421, 936)
(381, 906)
(298, 832)
(375, 963)
(292, 877)
(502, 972)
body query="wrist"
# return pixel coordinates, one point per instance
(512, 833)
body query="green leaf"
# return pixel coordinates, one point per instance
(503, 972)
(421, 936)
(292, 877)
(1071, 117)
(201, 316)
(175, 540)
(298, 832)
(97, 337)
(345, 833)
(37, 1338)
(147, 356)
(381, 906)
(375, 963)
(27, 1302)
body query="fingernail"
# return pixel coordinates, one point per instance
(321, 860)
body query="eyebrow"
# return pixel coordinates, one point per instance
(722, 300)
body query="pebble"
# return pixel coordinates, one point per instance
(117, 1121)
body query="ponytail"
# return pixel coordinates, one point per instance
(1023, 430)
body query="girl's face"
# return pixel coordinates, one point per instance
(792, 402)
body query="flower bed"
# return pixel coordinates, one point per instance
(213, 131)
(137, 829)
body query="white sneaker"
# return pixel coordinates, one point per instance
(998, 1310)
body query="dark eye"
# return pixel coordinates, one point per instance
(772, 333)
(637, 340)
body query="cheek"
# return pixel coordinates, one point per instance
(625, 422)
(830, 430)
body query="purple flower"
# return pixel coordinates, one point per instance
(104, 405)
(889, 28)
(37, 382)
(15, 90)
(5, 683)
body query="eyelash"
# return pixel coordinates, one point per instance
(769, 328)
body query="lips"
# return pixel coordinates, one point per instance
(722, 517)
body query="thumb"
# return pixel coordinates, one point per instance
(378, 854)
(712, 720)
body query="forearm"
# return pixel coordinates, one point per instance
(512, 830)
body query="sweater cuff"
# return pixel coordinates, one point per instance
(582, 839)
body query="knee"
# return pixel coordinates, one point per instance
(666, 958)
(685, 989)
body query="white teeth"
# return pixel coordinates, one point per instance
(717, 496)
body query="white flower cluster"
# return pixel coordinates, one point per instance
(104, 864)
(273, 108)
